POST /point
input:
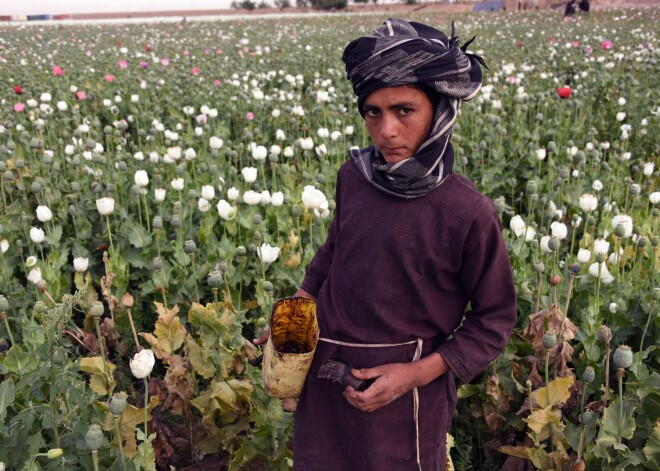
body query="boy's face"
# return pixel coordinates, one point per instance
(399, 120)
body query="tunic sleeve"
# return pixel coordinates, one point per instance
(487, 279)
(318, 269)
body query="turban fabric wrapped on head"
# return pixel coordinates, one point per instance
(408, 53)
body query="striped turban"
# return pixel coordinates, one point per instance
(408, 53)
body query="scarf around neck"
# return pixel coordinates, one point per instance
(408, 53)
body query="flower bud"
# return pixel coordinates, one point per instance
(268, 287)
(157, 264)
(655, 294)
(118, 403)
(240, 251)
(549, 340)
(257, 238)
(296, 211)
(500, 205)
(256, 219)
(40, 307)
(623, 357)
(4, 304)
(94, 437)
(589, 418)
(539, 267)
(589, 375)
(604, 334)
(54, 453)
(96, 309)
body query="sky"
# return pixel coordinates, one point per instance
(54, 7)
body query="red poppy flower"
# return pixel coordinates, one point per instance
(519, 44)
(18, 89)
(564, 92)
(147, 47)
(57, 70)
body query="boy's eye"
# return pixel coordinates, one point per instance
(406, 110)
(371, 112)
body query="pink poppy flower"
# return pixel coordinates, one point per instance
(88, 53)
(553, 40)
(216, 82)
(201, 119)
(144, 64)
(58, 71)
(249, 115)
(196, 71)
(164, 62)
(575, 43)
(218, 51)
(122, 64)
(109, 77)
(81, 95)
(18, 107)
(207, 50)
(186, 53)
(605, 45)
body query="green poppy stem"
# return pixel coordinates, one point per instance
(119, 442)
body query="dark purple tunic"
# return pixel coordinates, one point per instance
(391, 271)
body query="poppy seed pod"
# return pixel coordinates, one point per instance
(214, 279)
(127, 300)
(157, 222)
(118, 403)
(157, 264)
(549, 340)
(240, 251)
(189, 247)
(589, 375)
(623, 357)
(94, 437)
(555, 280)
(531, 188)
(268, 287)
(96, 309)
(539, 267)
(604, 334)
(620, 230)
(4, 304)
(554, 244)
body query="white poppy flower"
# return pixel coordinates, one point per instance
(233, 193)
(268, 253)
(44, 214)
(624, 220)
(37, 235)
(251, 197)
(142, 363)
(277, 199)
(225, 210)
(141, 178)
(208, 192)
(559, 230)
(159, 194)
(583, 255)
(517, 225)
(34, 276)
(105, 205)
(177, 184)
(80, 264)
(313, 198)
(249, 174)
(588, 202)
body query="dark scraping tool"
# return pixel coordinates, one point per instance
(338, 370)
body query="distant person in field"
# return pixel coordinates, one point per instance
(411, 244)
(570, 8)
(584, 6)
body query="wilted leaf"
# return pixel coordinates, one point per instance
(558, 392)
(519, 451)
(169, 332)
(131, 419)
(542, 420)
(652, 448)
(200, 359)
(101, 382)
(224, 397)
(179, 385)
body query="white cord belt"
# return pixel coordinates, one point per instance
(417, 356)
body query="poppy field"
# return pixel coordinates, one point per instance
(162, 184)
